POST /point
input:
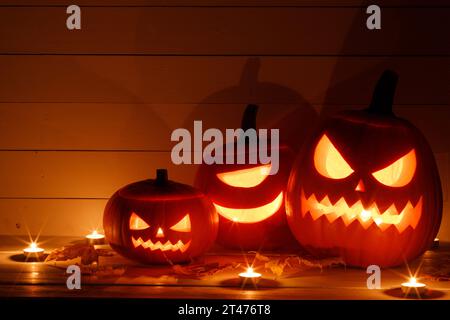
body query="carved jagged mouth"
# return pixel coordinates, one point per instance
(401, 219)
(167, 246)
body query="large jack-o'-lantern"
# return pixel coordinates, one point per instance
(367, 187)
(249, 201)
(160, 221)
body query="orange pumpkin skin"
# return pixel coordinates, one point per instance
(369, 141)
(270, 232)
(157, 207)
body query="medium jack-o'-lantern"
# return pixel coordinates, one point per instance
(160, 221)
(249, 201)
(367, 187)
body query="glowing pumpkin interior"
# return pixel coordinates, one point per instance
(331, 164)
(159, 242)
(245, 178)
(251, 215)
(248, 178)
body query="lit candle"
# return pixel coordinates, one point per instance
(250, 275)
(33, 251)
(412, 287)
(436, 243)
(95, 237)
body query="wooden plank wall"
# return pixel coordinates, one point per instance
(85, 112)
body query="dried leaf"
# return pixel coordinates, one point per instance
(86, 252)
(276, 267)
(316, 263)
(181, 270)
(64, 263)
(199, 270)
(261, 257)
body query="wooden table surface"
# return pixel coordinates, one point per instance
(38, 279)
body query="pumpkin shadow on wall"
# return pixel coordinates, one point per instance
(353, 89)
(353, 86)
(280, 107)
(134, 122)
(135, 111)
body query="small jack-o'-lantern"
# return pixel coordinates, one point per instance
(367, 188)
(249, 201)
(160, 221)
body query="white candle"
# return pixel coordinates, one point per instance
(33, 251)
(413, 287)
(436, 243)
(95, 237)
(250, 275)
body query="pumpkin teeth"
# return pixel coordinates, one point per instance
(167, 246)
(408, 216)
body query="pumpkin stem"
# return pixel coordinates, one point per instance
(161, 177)
(383, 95)
(249, 117)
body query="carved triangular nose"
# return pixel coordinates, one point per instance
(360, 187)
(159, 233)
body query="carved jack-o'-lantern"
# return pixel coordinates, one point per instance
(367, 187)
(250, 202)
(160, 221)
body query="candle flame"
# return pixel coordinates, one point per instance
(95, 235)
(33, 248)
(250, 274)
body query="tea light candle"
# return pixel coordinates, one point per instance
(412, 287)
(251, 275)
(436, 243)
(95, 237)
(33, 251)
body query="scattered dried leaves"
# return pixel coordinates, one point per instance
(200, 270)
(86, 252)
(279, 264)
(86, 257)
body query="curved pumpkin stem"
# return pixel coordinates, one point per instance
(161, 177)
(249, 117)
(383, 94)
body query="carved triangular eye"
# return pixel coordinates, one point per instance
(184, 225)
(245, 178)
(136, 223)
(329, 162)
(399, 173)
